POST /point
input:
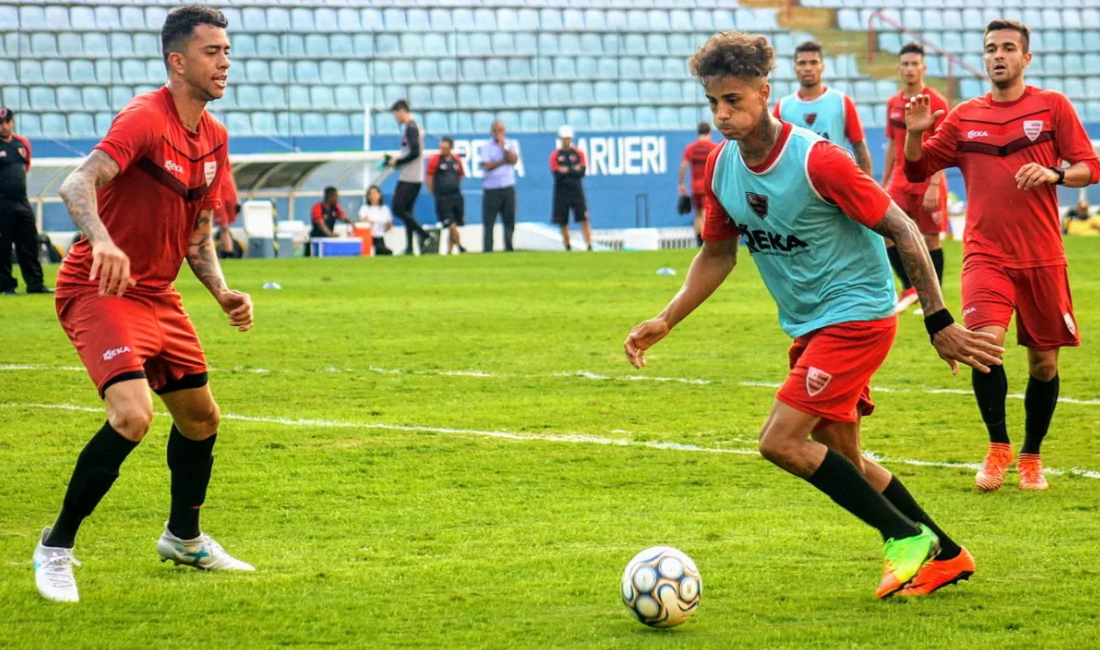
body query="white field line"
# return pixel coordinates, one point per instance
(579, 374)
(574, 438)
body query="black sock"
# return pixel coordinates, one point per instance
(937, 261)
(899, 266)
(1039, 402)
(96, 470)
(191, 462)
(846, 485)
(896, 493)
(991, 390)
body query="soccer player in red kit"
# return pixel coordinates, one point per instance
(1010, 146)
(695, 157)
(924, 202)
(144, 200)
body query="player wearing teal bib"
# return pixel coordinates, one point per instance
(814, 224)
(825, 111)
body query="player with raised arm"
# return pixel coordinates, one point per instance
(924, 202)
(810, 216)
(825, 111)
(144, 200)
(1010, 146)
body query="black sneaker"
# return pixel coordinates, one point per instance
(461, 249)
(8, 292)
(42, 289)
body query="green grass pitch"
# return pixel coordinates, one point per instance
(454, 453)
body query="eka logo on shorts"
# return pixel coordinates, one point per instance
(816, 381)
(114, 352)
(1070, 325)
(173, 167)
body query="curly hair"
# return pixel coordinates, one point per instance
(733, 54)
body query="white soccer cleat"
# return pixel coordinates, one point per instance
(907, 299)
(53, 572)
(202, 553)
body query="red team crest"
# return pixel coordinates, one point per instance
(758, 203)
(816, 381)
(23, 152)
(810, 118)
(1032, 129)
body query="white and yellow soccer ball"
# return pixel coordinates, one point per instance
(662, 587)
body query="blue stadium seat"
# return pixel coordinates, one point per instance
(43, 45)
(121, 45)
(133, 19)
(387, 45)
(863, 91)
(553, 119)
(529, 121)
(624, 118)
(332, 72)
(668, 118)
(82, 19)
(628, 92)
(671, 92)
(278, 19)
(96, 45)
(1091, 112)
(496, 69)
(56, 18)
(106, 18)
(587, 67)
(1052, 19)
(657, 20)
(94, 98)
(1091, 63)
(256, 71)
(437, 123)
(687, 117)
(103, 123)
(973, 43)
(321, 97)
(463, 122)
(519, 68)
(608, 68)
(337, 124)
(1074, 88)
(473, 70)
(550, 20)
(502, 44)
(555, 94)
(569, 43)
(254, 17)
(885, 89)
(548, 44)
(607, 92)
(299, 97)
(439, 20)
(462, 19)
(315, 45)
(1073, 64)
(653, 68)
(634, 45)
(573, 20)
(482, 121)
(43, 98)
(81, 125)
(244, 96)
(1090, 18)
(120, 96)
(637, 21)
(516, 95)
(341, 45)
(681, 45)
(529, 20)
(931, 19)
(314, 124)
(645, 117)
(595, 20)
(363, 45)
(675, 67)
(30, 72)
(267, 45)
(347, 98)
(599, 119)
(30, 125)
(306, 72)
(280, 72)
(656, 44)
(722, 20)
(238, 124)
(1075, 41)
(468, 97)
(69, 98)
(582, 93)
(68, 45)
(485, 19)
(54, 71)
(953, 42)
(679, 20)
(53, 126)
(394, 20)
(381, 72)
(420, 96)
(565, 67)
(649, 92)
(577, 118)
(27, 18)
(866, 116)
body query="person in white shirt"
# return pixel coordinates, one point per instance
(377, 214)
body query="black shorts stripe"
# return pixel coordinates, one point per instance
(122, 376)
(197, 380)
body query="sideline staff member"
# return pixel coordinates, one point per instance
(17, 224)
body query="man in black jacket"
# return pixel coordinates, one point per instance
(568, 166)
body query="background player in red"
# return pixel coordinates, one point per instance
(144, 199)
(444, 178)
(1010, 146)
(924, 202)
(568, 166)
(695, 157)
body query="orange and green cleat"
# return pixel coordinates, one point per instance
(904, 559)
(1030, 469)
(992, 473)
(938, 574)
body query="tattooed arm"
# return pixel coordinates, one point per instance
(954, 343)
(203, 260)
(79, 194)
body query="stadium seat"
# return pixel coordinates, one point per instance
(547, 44)
(1074, 88)
(502, 43)
(278, 19)
(483, 120)
(120, 96)
(577, 118)
(463, 122)
(43, 45)
(69, 45)
(30, 125)
(268, 46)
(121, 45)
(256, 71)
(387, 45)
(573, 20)
(675, 68)
(133, 19)
(107, 19)
(437, 123)
(529, 121)
(468, 96)
(553, 119)
(491, 96)
(43, 98)
(1075, 41)
(355, 72)
(649, 92)
(519, 69)
(306, 72)
(656, 44)
(645, 117)
(314, 124)
(337, 124)
(27, 17)
(652, 68)
(1091, 112)
(474, 70)
(565, 67)
(255, 18)
(103, 123)
(671, 92)
(94, 98)
(299, 98)
(550, 20)
(628, 92)
(321, 97)
(280, 72)
(332, 72)
(315, 45)
(555, 94)
(687, 117)
(569, 44)
(634, 45)
(54, 126)
(245, 96)
(238, 124)
(516, 95)
(1091, 63)
(30, 72)
(582, 93)
(55, 72)
(95, 45)
(953, 42)
(81, 125)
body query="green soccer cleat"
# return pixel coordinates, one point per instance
(904, 558)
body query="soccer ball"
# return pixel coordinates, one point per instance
(662, 587)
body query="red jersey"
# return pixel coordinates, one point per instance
(696, 153)
(989, 141)
(166, 176)
(895, 132)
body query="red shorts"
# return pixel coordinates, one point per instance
(831, 369)
(698, 199)
(139, 335)
(1040, 296)
(913, 205)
